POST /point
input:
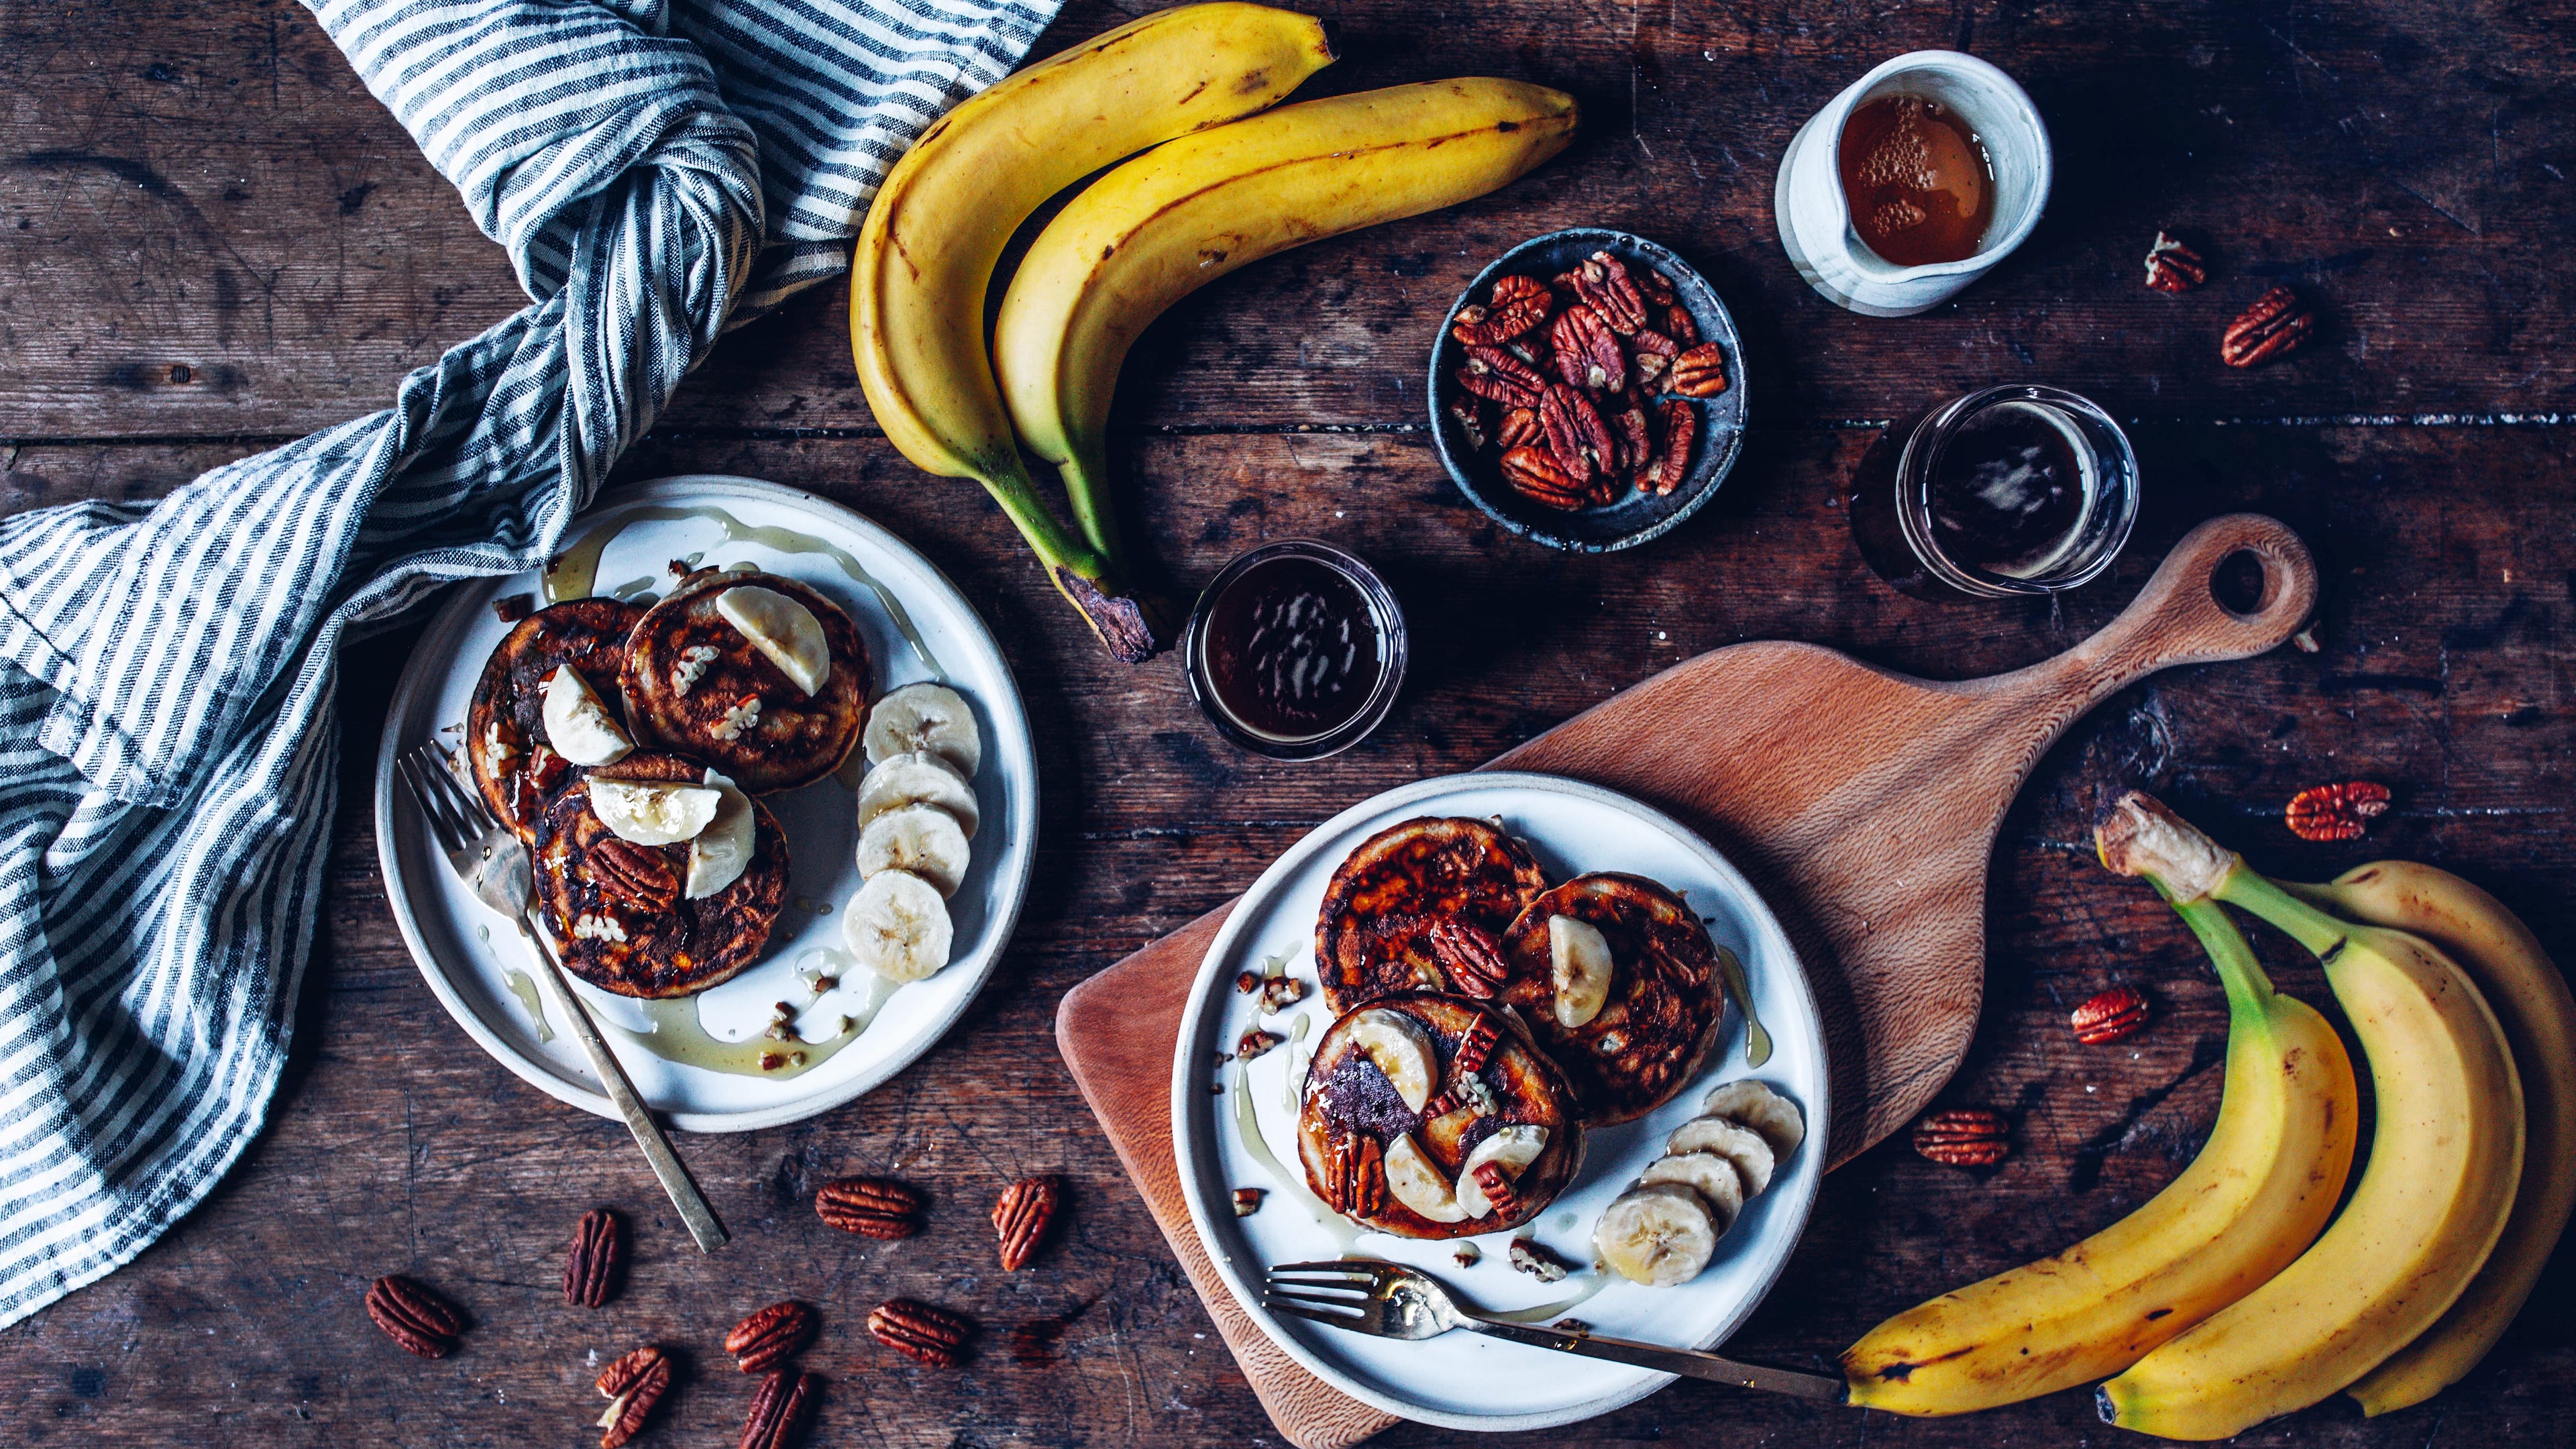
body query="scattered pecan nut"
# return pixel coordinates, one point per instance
(1671, 463)
(1257, 1042)
(778, 1410)
(1700, 372)
(2109, 1016)
(1021, 1218)
(1962, 1137)
(1575, 432)
(1355, 1174)
(759, 1342)
(632, 1386)
(1247, 1201)
(414, 1317)
(1281, 992)
(639, 874)
(872, 1207)
(2275, 326)
(1477, 1046)
(2336, 812)
(1520, 429)
(1520, 305)
(1528, 1257)
(1503, 1202)
(2173, 267)
(598, 1248)
(1470, 956)
(1497, 375)
(1535, 474)
(1247, 982)
(933, 1335)
(1602, 281)
(1469, 414)
(1587, 354)
(511, 608)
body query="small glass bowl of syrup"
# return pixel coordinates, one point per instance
(1295, 650)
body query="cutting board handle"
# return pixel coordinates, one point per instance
(2178, 619)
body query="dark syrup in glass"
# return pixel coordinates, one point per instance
(1293, 649)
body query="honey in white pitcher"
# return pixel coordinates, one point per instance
(1917, 178)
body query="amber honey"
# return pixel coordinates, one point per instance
(1917, 178)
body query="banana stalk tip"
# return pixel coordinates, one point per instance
(1134, 630)
(2139, 835)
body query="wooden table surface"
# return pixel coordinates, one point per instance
(212, 240)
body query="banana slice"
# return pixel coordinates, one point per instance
(719, 854)
(1402, 1050)
(1658, 1235)
(897, 926)
(651, 812)
(1418, 1185)
(929, 717)
(1515, 1147)
(923, 839)
(1580, 958)
(782, 629)
(1765, 1111)
(1713, 1177)
(578, 726)
(918, 777)
(1731, 1140)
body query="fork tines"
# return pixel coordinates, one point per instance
(456, 815)
(1341, 1293)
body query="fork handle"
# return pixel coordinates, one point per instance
(666, 1164)
(1689, 1362)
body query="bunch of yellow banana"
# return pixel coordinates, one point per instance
(1139, 239)
(2471, 1176)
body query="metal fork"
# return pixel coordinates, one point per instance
(494, 865)
(1394, 1301)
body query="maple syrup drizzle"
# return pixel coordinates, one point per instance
(1918, 181)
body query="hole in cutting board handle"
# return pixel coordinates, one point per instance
(2235, 586)
(2240, 583)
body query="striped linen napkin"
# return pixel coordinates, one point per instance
(168, 734)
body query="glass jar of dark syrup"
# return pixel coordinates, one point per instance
(1295, 650)
(2010, 491)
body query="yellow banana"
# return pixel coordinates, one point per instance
(926, 253)
(2263, 1185)
(2445, 1159)
(2532, 1002)
(1168, 222)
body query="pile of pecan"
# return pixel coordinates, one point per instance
(1582, 383)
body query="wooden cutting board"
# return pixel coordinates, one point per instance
(1862, 803)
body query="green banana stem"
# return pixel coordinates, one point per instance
(1132, 626)
(2248, 986)
(2260, 897)
(1094, 506)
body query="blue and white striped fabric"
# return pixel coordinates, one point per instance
(168, 738)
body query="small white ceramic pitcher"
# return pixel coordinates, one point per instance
(1815, 221)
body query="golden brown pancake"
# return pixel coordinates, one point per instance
(670, 946)
(679, 702)
(1352, 1109)
(505, 730)
(1374, 934)
(1664, 1007)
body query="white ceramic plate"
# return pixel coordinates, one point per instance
(917, 626)
(1462, 1380)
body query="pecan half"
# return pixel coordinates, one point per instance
(1603, 282)
(933, 1335)
(1654, 286)
(1354, 1173)
(1700, 372)
(1535, 474)
(1470, 955)
(598, 1247)
(1477, 1047)
(778, 1410)
(760, 1341)
(632, 1385)
(1469, 414)
(1021, 1218)
(1587, 354)
(1962, 1137)
(1575, 432)
(2336, 812)
(872, 1207)
(414, 1317)
(639, 874)
(1494, 373)
(2173, 267)
(1529, 1256)
(1498, 1189)
(2275, 326)
(1520, 304)
(1520, 429)
(1650, 353)
(2109, 1016)
(1636, 441)
(1677, 321)
(1672, 461)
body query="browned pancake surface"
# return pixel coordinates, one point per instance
(797, 738)
(678, 951)
(1371, 937)
(1346, 1097)
(505, 729)
(1664, 1007)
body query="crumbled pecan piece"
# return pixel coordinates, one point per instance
(1650, 353)
(1671, 463)
(414, 1317)
(1528, 1257)
(933, 1335)
(1256, 1042)
(2276, 325)
(872, 1207)
(1476, 1047)
(1021, 1218)
(1470, 956)
(2109, 1015)
(2173, 267)
(1700, 372)
(778, 1410)
(1636, 441)
(1602, 281)
(1575, 432)
(632, 1385)
(1247, 982)
(638, 874)
(1494, 373)
(598, 1247)
(1281, 992)
(1654, 286)
(511, 608)
(1963, 1137)
(759, 1342)
(1247, 1201)
(2336, 812)
(1469, 414)
(1587, 355)
(1535, 474)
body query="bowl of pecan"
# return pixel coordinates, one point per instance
(1587, 390)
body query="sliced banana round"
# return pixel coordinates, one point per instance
(652, 812)
(719, 854)
(1731, 1140)
(918, 777)
(923, 839)
(1657, 1235)
(782, 629)
(897, 926)
(578, 726)
(1579, 956)
(1418, 1185)
(1514, 1147)
(1401, 1049)
(1765, 1111)
(1713, 1177)
(929, 717)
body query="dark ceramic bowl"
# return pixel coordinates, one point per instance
(1637, 516)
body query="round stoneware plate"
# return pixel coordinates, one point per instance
(917, 626)
(1462, 1380)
